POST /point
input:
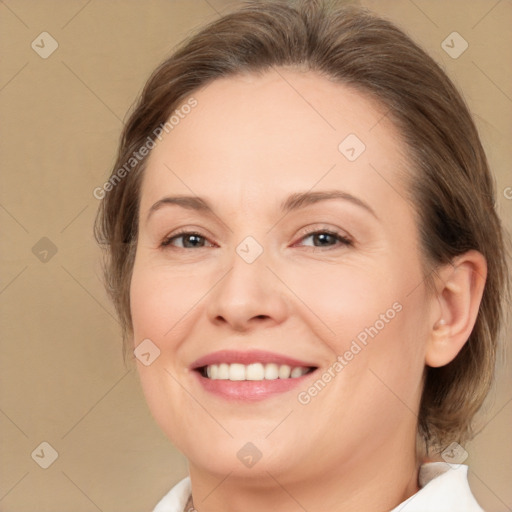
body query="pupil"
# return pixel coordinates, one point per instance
(324, 237)
(192, 241)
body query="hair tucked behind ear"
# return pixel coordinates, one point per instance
(450, 183)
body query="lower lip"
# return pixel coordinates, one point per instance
(250, 390)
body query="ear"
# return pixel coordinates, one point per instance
(459, 289)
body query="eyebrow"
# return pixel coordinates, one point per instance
(291, 203)
(302, 199)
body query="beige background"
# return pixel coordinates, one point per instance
(62, 376)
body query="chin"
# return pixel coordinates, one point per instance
(239, 456)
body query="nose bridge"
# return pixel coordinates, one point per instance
(249, 290)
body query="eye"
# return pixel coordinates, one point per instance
(320, 238)
(186, 240)
(325, 238)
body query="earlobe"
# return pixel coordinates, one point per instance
(459, 289)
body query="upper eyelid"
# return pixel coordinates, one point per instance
(323, 228)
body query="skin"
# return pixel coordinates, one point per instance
(250, 143)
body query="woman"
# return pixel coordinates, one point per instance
(304, 253)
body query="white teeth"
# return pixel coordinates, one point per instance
(284, 371)
(254, 371)
(271, 371)
(296, 372)
(223, 371)
(236, 371)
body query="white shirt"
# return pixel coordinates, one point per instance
(443, 488)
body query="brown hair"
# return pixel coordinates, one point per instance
(452, 187)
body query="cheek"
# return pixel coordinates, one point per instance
(375, 319)
(161, 300)
(160, 303)
(348, 301)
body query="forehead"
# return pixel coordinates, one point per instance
(258, 136)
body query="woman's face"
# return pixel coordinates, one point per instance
(304, 264)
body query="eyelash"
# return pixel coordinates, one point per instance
(345, 241)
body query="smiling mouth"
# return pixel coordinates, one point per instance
(253, 371)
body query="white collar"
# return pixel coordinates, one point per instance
(443, 488)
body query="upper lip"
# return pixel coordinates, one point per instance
(247, 357)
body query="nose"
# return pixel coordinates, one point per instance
(248, 296)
